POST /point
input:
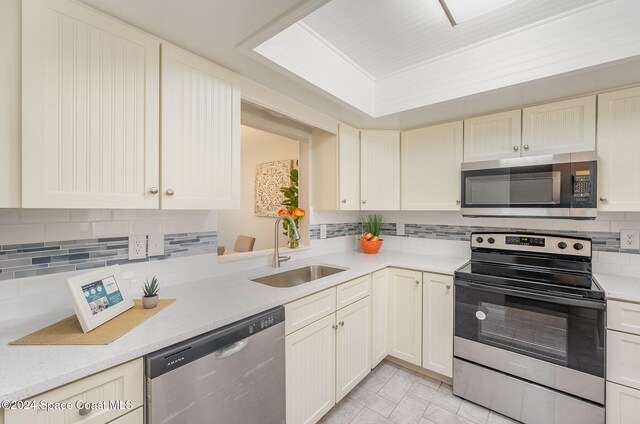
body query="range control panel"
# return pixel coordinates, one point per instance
(552, 244)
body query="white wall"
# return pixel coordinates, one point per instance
(257, 147)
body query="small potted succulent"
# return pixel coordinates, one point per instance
(370, 242)
(150, 291)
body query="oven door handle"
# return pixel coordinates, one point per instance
(583, 303)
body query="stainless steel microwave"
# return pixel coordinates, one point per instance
(547, 186)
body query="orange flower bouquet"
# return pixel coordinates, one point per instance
(291, 203)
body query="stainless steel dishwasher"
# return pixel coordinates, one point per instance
(235, 374)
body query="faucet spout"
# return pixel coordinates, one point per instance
(276, 253)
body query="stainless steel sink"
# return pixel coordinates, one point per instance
(298, 276)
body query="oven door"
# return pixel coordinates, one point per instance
(558, 342)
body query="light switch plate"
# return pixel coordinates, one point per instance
(137, 247)
(399, 228)
(630, 239)
(323, 231)
(156, 244)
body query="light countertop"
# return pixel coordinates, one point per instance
(201, 306)
(620, 288)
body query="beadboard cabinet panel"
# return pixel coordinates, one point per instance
(431, 159)
(560, 127)
(495, 136)
(437, 325)
(405, 315)
(380, 170)
(623, 358)
(200, 134)
(90, 107)
(349, 168)
(619, 150)
(379, 316)
(623, 404)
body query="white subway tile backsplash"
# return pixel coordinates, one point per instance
(43, 216)
(90, 215)
(106, 229)
(597, 225)
(21, 233)
(625, 225)
(129, 214)
(565, 225)
(176, 226)
(68, 231)
(614, 258)
(145, 227)
(9, 216)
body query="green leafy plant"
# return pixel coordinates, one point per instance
(291, 192)
(372, 224)
(151, 289)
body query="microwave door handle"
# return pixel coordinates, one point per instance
(534, 296)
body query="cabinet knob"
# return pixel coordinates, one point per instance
(153, 190)
(170, 192)
(516, 148)
(364, 202)
(417, 281)
(448, 286)
(525, 147)
(84, 411)
(457, 202)
(603, 199)
(341, 323)
(335, 327)
(344, 201)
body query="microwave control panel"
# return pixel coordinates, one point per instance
(583, 193)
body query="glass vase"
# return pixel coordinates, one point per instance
(292, 243)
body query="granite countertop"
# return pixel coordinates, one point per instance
(201, 306)
(620, 288)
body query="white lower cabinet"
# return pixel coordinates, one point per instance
(328, 357)
(122, 383)
(133, 417)
(623, 358)
(405, 315)
(379, 316)
(623, 404)
(353, 346)
(437, 325)
(310, 371)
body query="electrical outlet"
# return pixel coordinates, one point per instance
(399, 228)
(137, 247)
(156, 244)
(323, 231)
(630, 239)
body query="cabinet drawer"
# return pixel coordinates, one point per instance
(352, 291)
(133, 417)
(623, 316)
(122, 383)
(623, 358)
(309, 309)
(623, 404)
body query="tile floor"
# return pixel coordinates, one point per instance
(394, 394)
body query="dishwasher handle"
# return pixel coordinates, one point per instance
(225, 352)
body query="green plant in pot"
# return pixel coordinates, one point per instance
(150, 293)
(370, 242)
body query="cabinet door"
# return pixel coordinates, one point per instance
(623, 404)
(623, 358)
(200, 134)
(349, 170)
(90, 88)
(431, 159)
(437, 325)
(353, 346)
(133, 417)
(311, 371)
(380, 170)
(379, 316)
(405, 315)
(495, 136)
(619, 150)
(560, 127)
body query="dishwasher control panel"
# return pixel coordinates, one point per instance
(177, 355)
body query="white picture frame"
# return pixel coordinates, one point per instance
(99, 296)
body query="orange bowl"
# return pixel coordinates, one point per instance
(370, 247)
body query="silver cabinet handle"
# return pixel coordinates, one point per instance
(457, 202)
(448, 286)
(335, 327)
(84, 411)
(364, 202)
(153, 190)
(525, 147)
(341, 323)
(516, 148)
(417, 281)
(344, 201)
(170, 192)
(603, 199)
(232, 349)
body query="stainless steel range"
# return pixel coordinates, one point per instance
(530, 329)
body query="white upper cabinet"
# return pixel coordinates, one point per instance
(561, 127)
(495, 136)
(380, 170)
(431, 160)
(619, 150)
(349, 168)
(200, 134)
(90, 121)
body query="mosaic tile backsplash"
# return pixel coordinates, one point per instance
(601, 241)
(28, 260)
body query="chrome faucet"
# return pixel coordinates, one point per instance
(276, 255)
